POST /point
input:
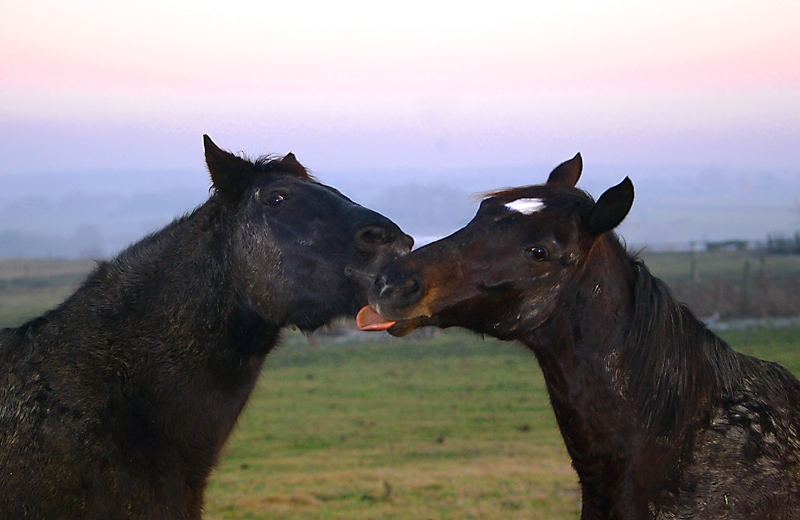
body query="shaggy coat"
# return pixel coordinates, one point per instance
(115, 405)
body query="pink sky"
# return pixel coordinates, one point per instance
(427, 85)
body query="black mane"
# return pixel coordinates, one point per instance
(674, 367)
(286, 165)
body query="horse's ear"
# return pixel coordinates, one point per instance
(229, 173)
(612, 207)
(290, 161)
(567, 172)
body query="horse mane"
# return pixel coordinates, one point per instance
(676, 368)
(559, 197)
(537, 189)
(286, 165)
(244, 170)
(502, 192)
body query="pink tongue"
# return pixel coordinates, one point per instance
(370, 321)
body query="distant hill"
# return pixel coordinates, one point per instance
(95, 214)
(673, 207)
(91, 214)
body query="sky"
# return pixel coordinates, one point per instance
(378, 86)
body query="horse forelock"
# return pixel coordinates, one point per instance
(277, 165)
(531, 199)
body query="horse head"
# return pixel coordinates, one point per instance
(304, 253)
(503, 272)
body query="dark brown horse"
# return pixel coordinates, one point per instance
(662, 419)
(115, 405)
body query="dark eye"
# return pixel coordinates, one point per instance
(540, 254)
(274, 199)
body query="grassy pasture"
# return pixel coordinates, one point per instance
(676, 266)
(443, 427)
(29, 287)
(731, 284)
(447, 427)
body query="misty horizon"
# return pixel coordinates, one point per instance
(97, 213)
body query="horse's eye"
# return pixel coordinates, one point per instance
(540, 254)
(274, 199)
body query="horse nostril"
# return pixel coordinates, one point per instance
(397, 290)
(410, 291)
(372, 236)
(409, 287)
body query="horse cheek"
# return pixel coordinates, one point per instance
(540, 306)
(262, 272)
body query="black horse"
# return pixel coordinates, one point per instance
(662, 419)
(116, 403)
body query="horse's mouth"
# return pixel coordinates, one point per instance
(369, 320)
(363, 278)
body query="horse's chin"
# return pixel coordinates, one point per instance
(405, 327)
(309, 326)
(311, 319)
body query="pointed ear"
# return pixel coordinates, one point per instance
(229, 174)
(567, 172)
(290, 161)
(612, 207)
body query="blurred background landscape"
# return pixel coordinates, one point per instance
(440, 424)
(95, 214)
(410, 110)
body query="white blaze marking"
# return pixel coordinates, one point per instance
(526, 206)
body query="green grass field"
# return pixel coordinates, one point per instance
(677, 266)
(445, 427)
(448, 427)
(28, 287)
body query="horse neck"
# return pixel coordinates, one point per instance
(181, 282)
(578, 348)
(169, 326)
(630, 373)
